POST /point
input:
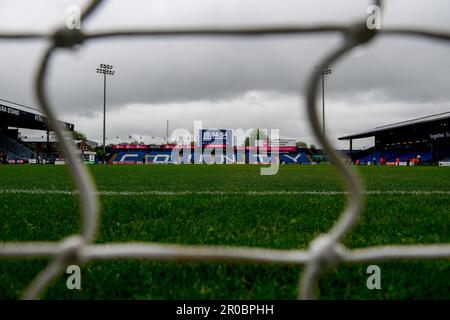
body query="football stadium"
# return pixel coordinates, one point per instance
(225, 213)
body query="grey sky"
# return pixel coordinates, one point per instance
(229, 82)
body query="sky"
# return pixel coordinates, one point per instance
(237, 83)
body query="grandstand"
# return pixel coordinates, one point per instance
(425, 139)
(12, 147)
(214, 146)
(162, 154)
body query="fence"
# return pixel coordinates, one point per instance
(325, 252)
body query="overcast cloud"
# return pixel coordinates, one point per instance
(228, 82)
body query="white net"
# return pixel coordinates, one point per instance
(324, 252)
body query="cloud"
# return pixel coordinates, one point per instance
(265, 109)
(228, 81)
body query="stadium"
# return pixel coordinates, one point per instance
(206, 219)
(426, 138)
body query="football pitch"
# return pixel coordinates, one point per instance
(227, 205)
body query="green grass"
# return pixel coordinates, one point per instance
(275, 221)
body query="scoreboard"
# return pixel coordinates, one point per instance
(215, 138)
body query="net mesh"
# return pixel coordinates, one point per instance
(324, 252)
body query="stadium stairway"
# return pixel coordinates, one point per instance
(112, 159)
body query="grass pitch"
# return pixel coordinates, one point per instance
(234, 217)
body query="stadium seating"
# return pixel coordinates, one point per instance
(370, 157)
(299, 157)
(164, 156)
(130, 156)
(15, 150)
(393, 155)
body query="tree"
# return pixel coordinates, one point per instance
(256, 134)
(77, 135)
(99, 152)
(301, 144)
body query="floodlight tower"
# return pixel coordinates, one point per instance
(325, 70)
(105, 69)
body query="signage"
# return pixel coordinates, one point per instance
(441, 135)
(216, 137)
(30, 117)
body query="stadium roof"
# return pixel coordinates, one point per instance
(397, 125)
(13, 117)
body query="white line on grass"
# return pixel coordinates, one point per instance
(225, 193)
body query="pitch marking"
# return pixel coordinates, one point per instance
(225, 193)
